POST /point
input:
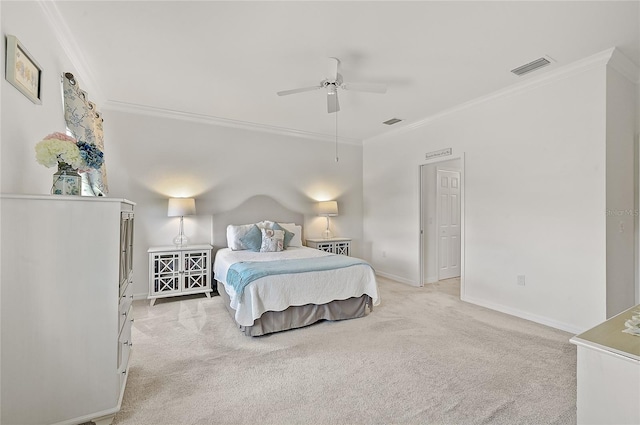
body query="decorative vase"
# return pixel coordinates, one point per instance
(66, 181)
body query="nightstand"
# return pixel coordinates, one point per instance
(340, 246)
(179, 271)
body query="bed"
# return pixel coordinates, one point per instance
(267, 292)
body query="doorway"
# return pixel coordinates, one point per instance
(441, 221)
(448, 222)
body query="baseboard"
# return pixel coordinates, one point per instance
(396, 278)
(524, 315)
(143, 296)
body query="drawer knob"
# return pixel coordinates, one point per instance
(125, 343)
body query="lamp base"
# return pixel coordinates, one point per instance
(180, 241)
(327, 233)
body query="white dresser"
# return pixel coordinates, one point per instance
(608, 373)
(66, 276)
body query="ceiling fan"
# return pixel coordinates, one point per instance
(332, 83)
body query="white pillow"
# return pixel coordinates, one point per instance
(265, 224)
(297, 233)
(272, 240)
(234, 233)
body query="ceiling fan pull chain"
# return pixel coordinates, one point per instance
(337, 159)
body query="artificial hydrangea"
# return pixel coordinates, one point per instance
(91, 155)
(58, 147)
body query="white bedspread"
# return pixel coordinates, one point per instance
(276, 293)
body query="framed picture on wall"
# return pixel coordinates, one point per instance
(23, 72)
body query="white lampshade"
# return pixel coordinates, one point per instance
(328, 208)
(179, 207)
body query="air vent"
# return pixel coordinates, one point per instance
(392, 121)
(531, 66)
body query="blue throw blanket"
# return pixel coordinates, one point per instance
(243, 273)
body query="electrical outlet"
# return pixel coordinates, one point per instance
(521, 279)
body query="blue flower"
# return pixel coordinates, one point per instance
(91, 155)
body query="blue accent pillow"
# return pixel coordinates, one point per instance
(253, 239)
(287, 234)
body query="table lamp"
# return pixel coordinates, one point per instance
(327, 209)
(179, 207)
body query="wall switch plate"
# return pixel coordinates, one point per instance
(521, 280)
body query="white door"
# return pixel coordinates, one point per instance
(448, 216)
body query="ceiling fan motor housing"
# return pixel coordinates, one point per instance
(332, 85)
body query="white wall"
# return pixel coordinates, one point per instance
(636, 180)
(534, 194)
(24, 123)
(151, 158)
(620, 216)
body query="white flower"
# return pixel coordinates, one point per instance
(58, 147)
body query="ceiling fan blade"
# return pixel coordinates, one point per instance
(300, 90)
(332, 74)
(332, 102)
(371, 88)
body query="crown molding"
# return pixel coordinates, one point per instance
(597, 60)
(133, 108)
(72, 50)
(625, 66)
(66, 39)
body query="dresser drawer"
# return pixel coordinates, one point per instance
(124, 307)
(124, 342)
(127, 293)
(125, 317)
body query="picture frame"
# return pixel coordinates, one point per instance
(22, 70)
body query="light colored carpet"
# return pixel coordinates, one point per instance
(422, 357)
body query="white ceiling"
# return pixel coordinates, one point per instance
(228, 59)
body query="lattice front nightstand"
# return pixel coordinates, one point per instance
(179, 271)
(340, 246)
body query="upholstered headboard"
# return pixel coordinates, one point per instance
(253, 210)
